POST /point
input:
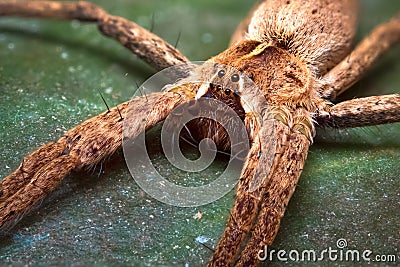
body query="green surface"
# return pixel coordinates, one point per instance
(49, 76)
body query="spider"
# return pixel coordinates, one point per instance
(258, 50)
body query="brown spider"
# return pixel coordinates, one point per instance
(294, 63)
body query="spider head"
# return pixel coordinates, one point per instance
(225, 86)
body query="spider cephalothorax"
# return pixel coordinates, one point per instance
(284, 81)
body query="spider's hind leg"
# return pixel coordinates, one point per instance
(363, 57)
(366, 111)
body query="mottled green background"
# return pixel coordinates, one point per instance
(50, 72)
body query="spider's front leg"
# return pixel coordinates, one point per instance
(266, 185)
(268, 179)
(81, 147)
(292, 147)
(90, 142)
(261, 210)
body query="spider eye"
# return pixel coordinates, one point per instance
(227, 91)
(221, 73)
(235, 78)
(219, 87)
(251, 76)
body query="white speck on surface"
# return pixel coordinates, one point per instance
(109, 90)
(64, 55)
(202, 239)
(108, 199)
(11, 46)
